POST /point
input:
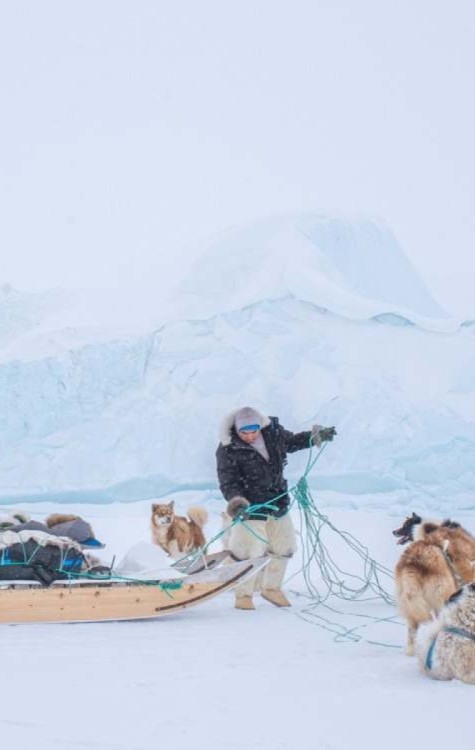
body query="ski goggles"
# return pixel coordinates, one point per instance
(250, 428)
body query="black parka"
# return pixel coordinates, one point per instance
(243, 471)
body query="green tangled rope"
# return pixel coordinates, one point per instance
(337, 582)
(325, 580)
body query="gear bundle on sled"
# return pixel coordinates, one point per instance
(44, 583)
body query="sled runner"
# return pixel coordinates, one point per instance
(87, 600)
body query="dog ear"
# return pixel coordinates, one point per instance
(171, 504)
(154, 507)
(450, 524)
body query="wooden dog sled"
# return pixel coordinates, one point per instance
(87, 600)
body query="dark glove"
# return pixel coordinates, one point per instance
(327, 433)
(237, 506)
(322, 434)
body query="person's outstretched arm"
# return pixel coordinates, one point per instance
(297, 441)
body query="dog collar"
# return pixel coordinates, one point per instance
(460, 631)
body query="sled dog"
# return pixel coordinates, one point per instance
(447, 649)
(178, 535)
(438, 561)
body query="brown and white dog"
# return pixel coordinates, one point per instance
(178, 535)
(438, 561)
(447, 649)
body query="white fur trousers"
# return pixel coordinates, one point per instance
(274, 537)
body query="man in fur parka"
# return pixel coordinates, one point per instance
(250, 461)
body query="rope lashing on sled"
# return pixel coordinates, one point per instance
(47, 574)
(29, 559)
(166, 586)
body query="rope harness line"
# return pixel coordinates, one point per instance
(325, 580)
(458, 580)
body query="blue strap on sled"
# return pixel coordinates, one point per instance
(92, 543)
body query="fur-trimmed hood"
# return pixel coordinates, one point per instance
(227, 426)
(245, 471)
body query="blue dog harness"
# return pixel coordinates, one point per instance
(453, 631)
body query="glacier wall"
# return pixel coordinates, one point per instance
(134, 416)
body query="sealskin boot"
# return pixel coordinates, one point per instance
(244, 602)
(276, 596)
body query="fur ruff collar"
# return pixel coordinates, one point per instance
(227, 427)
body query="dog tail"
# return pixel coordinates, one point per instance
(198, 515)
(56, 518)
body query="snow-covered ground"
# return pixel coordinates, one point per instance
(215, 677)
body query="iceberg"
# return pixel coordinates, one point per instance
(351, 268)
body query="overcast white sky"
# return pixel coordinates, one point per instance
(130, 130)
